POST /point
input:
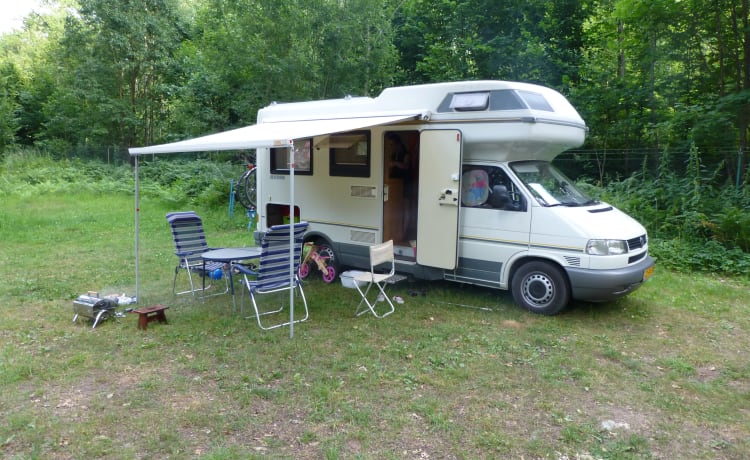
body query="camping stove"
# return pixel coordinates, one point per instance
(94, 308)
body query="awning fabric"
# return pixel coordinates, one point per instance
(273, 134)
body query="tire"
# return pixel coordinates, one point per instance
(330, 275)
(304, 271)
(333, 265)
(540, 287)
(246, 189)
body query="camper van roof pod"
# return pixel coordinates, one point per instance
(439, 101)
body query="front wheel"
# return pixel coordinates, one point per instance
(304, 270)
(540, 287)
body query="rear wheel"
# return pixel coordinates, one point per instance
(332, 269)
(540, 287)
(246, 189)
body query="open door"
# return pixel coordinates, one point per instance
(439, 201)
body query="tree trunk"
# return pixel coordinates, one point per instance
(745, 112)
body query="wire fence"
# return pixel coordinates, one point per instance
(118, 155)
(605, 166)
(599, 165)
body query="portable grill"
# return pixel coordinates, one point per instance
(94, 308)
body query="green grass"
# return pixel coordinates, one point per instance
(440, 378)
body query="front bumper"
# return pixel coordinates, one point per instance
(605, 285)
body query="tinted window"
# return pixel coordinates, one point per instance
(505, 100)
(302, 159)
(350, 154)
(536, 101)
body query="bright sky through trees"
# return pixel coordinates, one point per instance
(12, 13)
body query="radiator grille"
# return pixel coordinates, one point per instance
(638, 242)
(636, 258)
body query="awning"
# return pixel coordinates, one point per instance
(267, 134)
(276, 134)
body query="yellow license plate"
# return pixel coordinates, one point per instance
(647, 273)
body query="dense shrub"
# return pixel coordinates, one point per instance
(693, 222)
(180, 181)
(200, 180)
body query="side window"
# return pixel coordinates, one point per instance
(303, 164)
(489, 187)
(350, 154)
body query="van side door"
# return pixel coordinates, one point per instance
(439, 200)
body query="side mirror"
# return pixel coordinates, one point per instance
(500, 198)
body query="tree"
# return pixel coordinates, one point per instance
(663, 74)
(9, 106)
(247, 53)
(117, 58)
(534, 40)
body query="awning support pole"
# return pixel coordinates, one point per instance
(291, 238)
(137, 230)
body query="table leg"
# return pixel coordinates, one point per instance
(203, 280)
(231, 285)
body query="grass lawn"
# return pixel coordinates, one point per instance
(458, 372)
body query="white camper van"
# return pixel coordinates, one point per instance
(458, 175)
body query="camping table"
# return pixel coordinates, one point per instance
(229, 256)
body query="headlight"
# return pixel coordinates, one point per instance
(606, 247)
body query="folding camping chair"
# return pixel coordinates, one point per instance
(379, 254)
(190, 243)
(272, 274)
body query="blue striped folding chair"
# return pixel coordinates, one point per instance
(272, 274)
(190, 242)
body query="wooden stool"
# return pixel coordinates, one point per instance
(152, 313)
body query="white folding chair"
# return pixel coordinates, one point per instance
(380, 254)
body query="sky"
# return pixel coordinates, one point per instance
(12, 13)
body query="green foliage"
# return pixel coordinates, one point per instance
(537, 40)
(190, 181)
(701, 256)
(289, 51)
(115, 64)
(9, 122)
(693, 222)
(659, 75)
(30, 173)
(731, 225)
(647, 75)
(179, 181)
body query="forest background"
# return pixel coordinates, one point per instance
(664, 86)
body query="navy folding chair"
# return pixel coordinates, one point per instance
(272, 274)
(190, 243)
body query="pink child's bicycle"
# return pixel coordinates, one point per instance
(320, 256)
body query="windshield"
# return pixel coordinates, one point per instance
(548, 185)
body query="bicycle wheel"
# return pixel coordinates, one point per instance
(246, 189)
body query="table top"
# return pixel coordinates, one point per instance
(231, 254)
